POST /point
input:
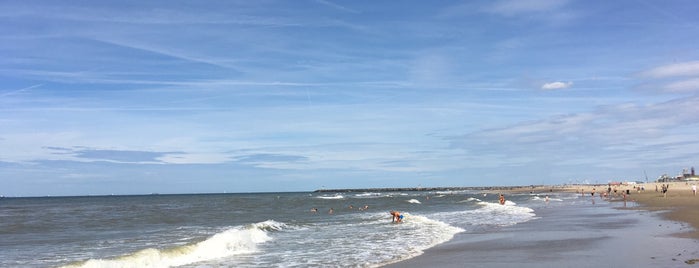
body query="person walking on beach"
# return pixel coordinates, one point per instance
(694, 189)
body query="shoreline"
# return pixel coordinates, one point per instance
(651, 231)
(679, 204)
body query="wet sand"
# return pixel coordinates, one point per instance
(656, 231)
(679, 203)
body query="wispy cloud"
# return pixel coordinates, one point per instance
(682, 77)
(689, 85)
(144, 16)
(117, 156)
(690, 68)
(336, 6)
(610, 131)
(165, 51)
(516, 7)
(17, 91)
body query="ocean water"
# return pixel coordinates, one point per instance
(248, 230)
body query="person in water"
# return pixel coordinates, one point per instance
(397, 217)
(502, 199)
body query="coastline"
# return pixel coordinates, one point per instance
(648, 230)
(679, 204)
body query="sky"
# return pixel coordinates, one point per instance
(140, 97)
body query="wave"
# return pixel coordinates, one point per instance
(413, 201)
(369, 195)
(402, 241)
(538, 198)
(470, 199)
(233, 241)
(507, 214)
(330, 197)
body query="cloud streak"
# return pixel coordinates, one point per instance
(682, 77)
(515, 7)
(690, 68)
(628, 132)
(116, 156)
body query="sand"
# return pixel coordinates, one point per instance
(679, 203)
(648, 230)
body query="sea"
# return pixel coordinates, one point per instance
(300, 229)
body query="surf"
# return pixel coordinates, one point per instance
(233, 241)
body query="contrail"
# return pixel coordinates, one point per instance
(19, 90)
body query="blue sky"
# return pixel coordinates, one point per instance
(137, 97)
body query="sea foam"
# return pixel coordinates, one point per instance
(330, 197)
(507, 214)
(233, 241)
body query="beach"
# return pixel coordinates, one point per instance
(679, 203)
(539, 226)
(648, 230)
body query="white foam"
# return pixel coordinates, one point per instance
(538, 198)
(414, 201)
(428, 231)
(331, 197)
(234, 241)
(506, 214)
(452, 192)
(470, 199)
(368, 195)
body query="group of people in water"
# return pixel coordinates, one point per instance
(396, 216)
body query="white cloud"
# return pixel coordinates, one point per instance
(690, 68)
(556, 85)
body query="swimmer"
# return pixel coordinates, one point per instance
(331, 211)
(314, 210)
(502, 199)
